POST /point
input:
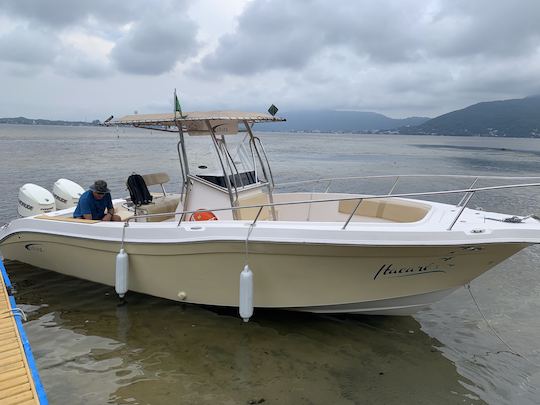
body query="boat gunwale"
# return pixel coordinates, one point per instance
(260, 240)
(355, 198)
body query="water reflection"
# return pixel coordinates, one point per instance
(508, 296)
(152, 351)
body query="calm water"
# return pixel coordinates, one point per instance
(152, 351)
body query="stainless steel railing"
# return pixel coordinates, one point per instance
(398, 177)
(469, 194)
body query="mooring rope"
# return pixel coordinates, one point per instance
(251, 226)
(515, 219)
(510, 349)
(13, 311)
(123, 235)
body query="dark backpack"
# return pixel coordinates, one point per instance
(137, 190)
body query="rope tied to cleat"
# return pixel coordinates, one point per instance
(15, 312)
(515, 219)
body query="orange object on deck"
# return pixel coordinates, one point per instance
(203, 216)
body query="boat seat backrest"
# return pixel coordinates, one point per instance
(153, 179)
(255, 198)
(389, 209)
(157, 203)
(156, 178)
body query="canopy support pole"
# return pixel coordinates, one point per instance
(232, 198)
(266, 179)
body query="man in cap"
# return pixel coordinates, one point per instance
(94, 202)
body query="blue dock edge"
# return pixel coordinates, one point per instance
(42, 397)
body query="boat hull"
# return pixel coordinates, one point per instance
(390, 306)
(301, 276)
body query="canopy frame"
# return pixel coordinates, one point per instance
(215, 124)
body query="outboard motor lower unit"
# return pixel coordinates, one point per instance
(34, 200)
(66, 193)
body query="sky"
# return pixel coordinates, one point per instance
(88, 59)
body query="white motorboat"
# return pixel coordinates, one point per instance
(318, 252)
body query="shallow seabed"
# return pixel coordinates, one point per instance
(152, 351)
(89, 350)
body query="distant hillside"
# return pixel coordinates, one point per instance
(337, 121)
(30, 121)
(518, 118)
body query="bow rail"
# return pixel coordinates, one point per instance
(469, 192)
(398, 177)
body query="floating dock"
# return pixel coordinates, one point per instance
(19, 378)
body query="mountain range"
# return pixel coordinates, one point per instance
(514, 118)
(338, 121)
(39, 121)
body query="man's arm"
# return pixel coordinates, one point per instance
(110, 209)
(84, 206)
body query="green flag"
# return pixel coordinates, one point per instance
(177, 106)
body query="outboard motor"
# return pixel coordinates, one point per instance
(66, 193)
(34, 200)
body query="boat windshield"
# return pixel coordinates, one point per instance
(234, 153)
(243, 155)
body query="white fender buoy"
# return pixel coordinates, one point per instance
(122, 268)
(246, 293)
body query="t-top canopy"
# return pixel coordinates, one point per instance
(195, 122)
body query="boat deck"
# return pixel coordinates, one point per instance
(19, 380)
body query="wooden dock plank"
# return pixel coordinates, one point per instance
(28, 402)
(13, 391)
(17, 399)
(4, 368)
(9, 334)
(12, 374)
(16, 358)
(8, 347)
(22, 379)
(11, 341)
(8, 353)
(16, 380)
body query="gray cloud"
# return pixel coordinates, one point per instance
(29, 52)
(155, 45)
(415, 57)
(419, 57)
(62, 13)
(25, 46)
(283, 34)
(277, 34)
(72, 63)
(488, 28)
(161, 34)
